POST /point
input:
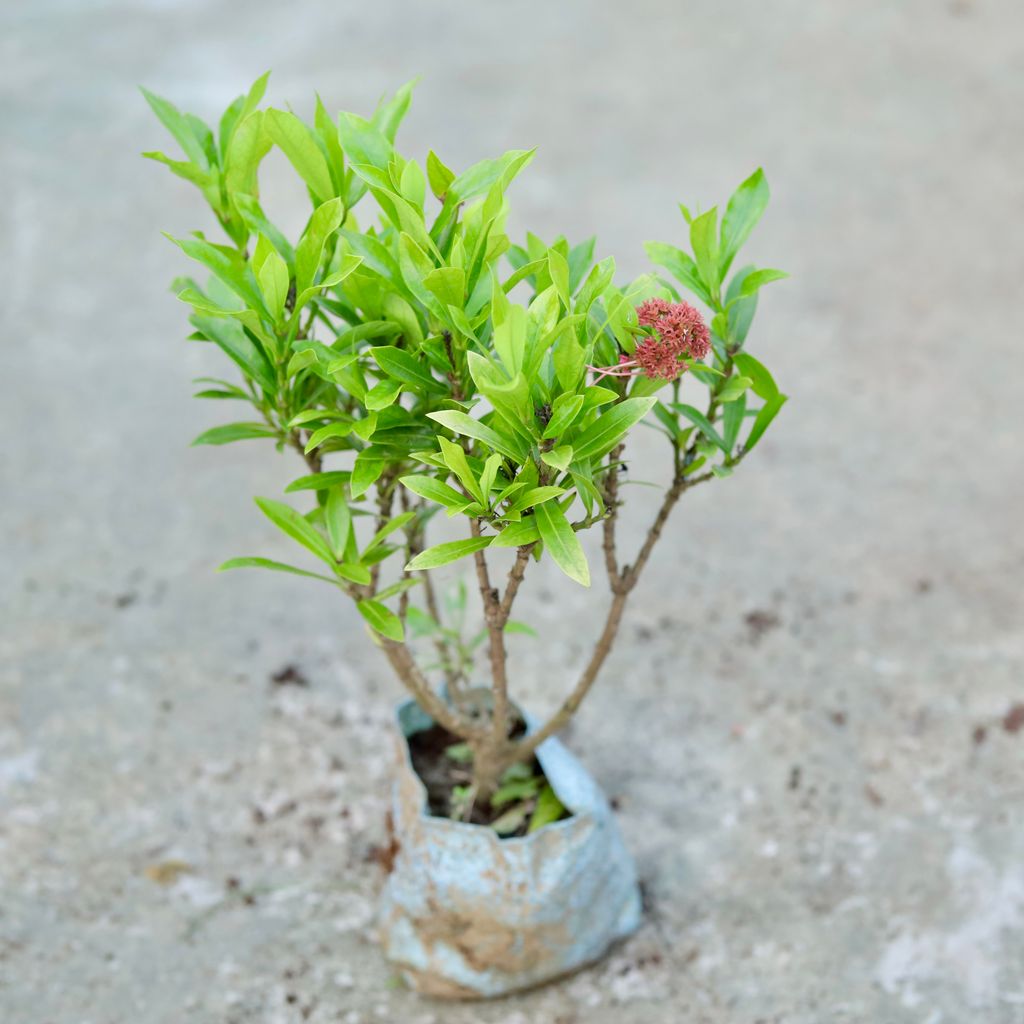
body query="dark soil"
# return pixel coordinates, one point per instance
(440, 774)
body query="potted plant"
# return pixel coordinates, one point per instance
(434, 375)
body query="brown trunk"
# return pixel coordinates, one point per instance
(490, 760)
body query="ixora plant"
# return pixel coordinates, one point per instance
(390, 349)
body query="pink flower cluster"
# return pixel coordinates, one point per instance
(679, 331)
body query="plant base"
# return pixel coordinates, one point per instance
(468, 915)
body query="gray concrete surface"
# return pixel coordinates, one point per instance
(805, 724)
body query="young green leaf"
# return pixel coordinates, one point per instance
(442, 554)
(564, 410)
(704, 241)
(733, 388)
(549, 809)
(439, 176)
(432, 489)
(455, 459)
(298, 143)
(460, 423)
(517, 535)
(319, 481)
(309, 252)
(606, 431)
(268, 563)
(558, 268)
(381, 619)
(758, 278)
(286, 519)
(561, 541)
(742, 213)
(234, 432)
(761, 381)
(558, 458)
(338, 519)
(179, 126)
(398, 363)
(702, 423)
(767, 413)
(393, 524)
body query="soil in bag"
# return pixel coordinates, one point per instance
(524, 798)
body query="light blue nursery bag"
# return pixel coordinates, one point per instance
(468, 915)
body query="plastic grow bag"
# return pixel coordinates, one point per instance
(466, 914)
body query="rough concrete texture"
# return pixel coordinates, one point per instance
(806, 724)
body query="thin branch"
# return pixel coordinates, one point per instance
(492, 602)
(611, 501)
(405, 667)
(515, 577)
(627, 580)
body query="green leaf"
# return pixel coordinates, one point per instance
(286, 519)
(272, 275)
(701, 422)
(448, 284)
(381, 619)
(558, 268)
(561, 541)
(680, 265)
(442, 554)
(733, 388)
(367, 469)
(488, 476)
(227, 265)
(704, 242)
(455, 459)
(732, 420)
(393, 524)
(234, 432)
(413, 185)
(382, 395)
(564, 410)
(460, 423)
(512, 626)
(767, 413)
(309, 252)
(354, 573)
(549, 809)
(742, 213)
(179, 126)
(439, 176)
(534, 496)
(268, 563)
(390, 113)
(511, 821)
(363, 143)
(240, 110)
(558, 458)
(481, 176)
(332, 430)
(460, 753)
(319, 481)
(432, 489)
(753, 281)
(249, 144)
(606, 431)
(398, 363)
(761, 381)
(231, 338)
(338, 519)
(399, 587)
(517, 535)
(299, 144)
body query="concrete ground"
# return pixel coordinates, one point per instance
(808, 726)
